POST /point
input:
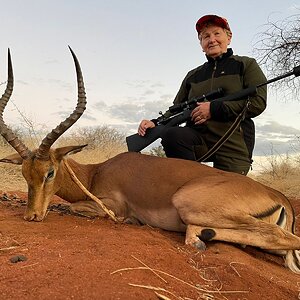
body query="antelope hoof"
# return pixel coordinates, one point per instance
(88, 209)
(196, 242)
(132, 221)
(200, 245)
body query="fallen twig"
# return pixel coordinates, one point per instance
(149, 287)
(234, 269)
(162, 297)
(155, 273)
(9, 248)
(180, 280)
(31, 265)
(110, 213)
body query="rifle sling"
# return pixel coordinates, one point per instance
(226, 136)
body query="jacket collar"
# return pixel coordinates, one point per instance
(221, 57)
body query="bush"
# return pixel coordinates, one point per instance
(158, 151)
(282, 174)
(103, 139)
(98, 137)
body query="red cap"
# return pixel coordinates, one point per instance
(214, 19)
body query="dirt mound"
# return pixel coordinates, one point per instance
(71, 257)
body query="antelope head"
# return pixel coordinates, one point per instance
(41, 167)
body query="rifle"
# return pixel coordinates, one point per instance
(180, 113)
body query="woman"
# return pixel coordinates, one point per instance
(210, 120)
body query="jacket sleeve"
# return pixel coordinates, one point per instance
(183, 92)
(228, 110)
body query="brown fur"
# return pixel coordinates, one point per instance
(171, 194)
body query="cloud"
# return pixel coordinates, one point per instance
(125, 128)
(149, 92)
(62, 84)
(65, 113)
(264, 147)
(132, 111)
(138, 83)
(142, 84)
(273, 127)
(22, 82)
(62, 114)
(157, 85)
(275, 138)
(89, 117)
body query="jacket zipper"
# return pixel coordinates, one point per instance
(213, 75)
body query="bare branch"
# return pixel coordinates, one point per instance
(277, 49)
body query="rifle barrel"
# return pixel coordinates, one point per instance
(209, 96)
(296, 72)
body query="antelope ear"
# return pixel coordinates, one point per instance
(13, 159)
(68, 150)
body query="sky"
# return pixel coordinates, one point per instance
(134, 55)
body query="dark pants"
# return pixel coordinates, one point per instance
(188, 143)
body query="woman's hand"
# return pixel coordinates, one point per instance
(144, 125)
(201, 113)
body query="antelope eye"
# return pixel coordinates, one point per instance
(50, 174)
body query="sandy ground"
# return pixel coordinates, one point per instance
(71, 257)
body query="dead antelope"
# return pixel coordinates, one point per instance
(172, 194)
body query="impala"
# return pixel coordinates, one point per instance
(172, 194)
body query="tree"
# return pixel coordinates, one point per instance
(277, 49)
(99, 137)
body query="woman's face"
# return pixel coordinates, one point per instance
(214, 40)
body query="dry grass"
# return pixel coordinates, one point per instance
(288, 185)
(10, 175)
(279, 173)
(11, 178)
(282, 173)
(91, 156)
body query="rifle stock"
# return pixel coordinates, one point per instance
(137, 143)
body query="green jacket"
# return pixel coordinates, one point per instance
(232, 73)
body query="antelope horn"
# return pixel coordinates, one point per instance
(47, 142)
(8, 135)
